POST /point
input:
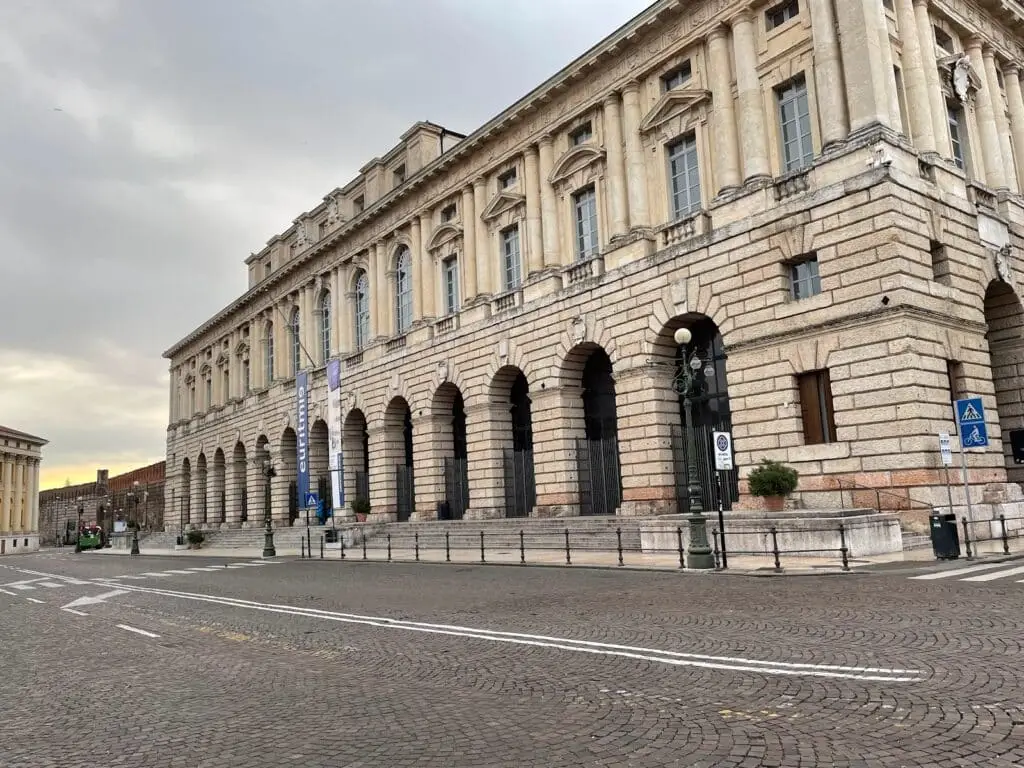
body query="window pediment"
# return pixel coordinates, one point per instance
(445, 233)
(573, 160)
(502, 202)
(222, 360)
(242, 350)
(671, 104)
(961, 77)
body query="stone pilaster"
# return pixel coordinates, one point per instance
(215, 477)
(483, 427)
(727, 154)
(33, 498)
(338, 307)
(994, 175)
(828, 74)
(862, 25)
(467, 264)
(380, 293)
(429, 453)
(753, 136)
(418, 273)
(636, 163)
(280, 493)
(385, 453)
(5, 499)
(534, 241)
(234, 488)
(197, 498)
(18, 521)
(915, 82)
(1002, 123)
(255, 486)
(557, 423)
(484, 258)
(616, 162)
(1011, 76)
(889, 67)
(548, 203)
(929, 65)
(427, 271)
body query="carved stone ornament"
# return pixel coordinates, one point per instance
(442, 371)
(333, 211)
(1002, 259)
(301, 237)
(962, 79)
(578, 330)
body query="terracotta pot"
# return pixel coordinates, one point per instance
(360, 517)
(774, 503)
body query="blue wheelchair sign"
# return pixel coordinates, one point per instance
(970, 419)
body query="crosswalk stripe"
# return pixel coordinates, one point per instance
(160, 575)
(50, 584)
(181, 573)
(997, 575)
(22, 586)
(133, 577)
(959, 571)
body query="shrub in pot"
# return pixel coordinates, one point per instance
(773, 481)
(195, 538)
(361, 506)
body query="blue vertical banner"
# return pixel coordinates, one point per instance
(302, 424)
(336, 462)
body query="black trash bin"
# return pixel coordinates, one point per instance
(945, 536)
(444, 510)
(331, 536)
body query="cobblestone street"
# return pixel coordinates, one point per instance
(218, 663)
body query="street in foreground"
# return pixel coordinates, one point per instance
(154, 662)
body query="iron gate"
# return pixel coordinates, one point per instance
(705, 469)
(456, 486)
(520, 483)
(406, 492)
(363, 486)
(600, 479)
(323, 490)
(293, 502)
(245, 506)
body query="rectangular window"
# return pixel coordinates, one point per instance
(779, 14)
(399, 174)
(246, 383)
(803, 277)
(684, 176)
(510, 253)
(957, 135)
(448, 213)
(677, 76)
(227, 385)
(901, 97)
(795, 125)
(207, 392)
(585, 203)
(359, 204)
(451, 286)
(581, 135)
(322, 230)
(507, 179)
(267, 269)
(944, 41)
(816, 407)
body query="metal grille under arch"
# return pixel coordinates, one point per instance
(600, 479)
(705, 468)
(293, 502)
(456, 486)
(520, 483)
(406, 492)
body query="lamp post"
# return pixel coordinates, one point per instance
(698, 553)
(133, 501)
(268, 531)
(78, 531)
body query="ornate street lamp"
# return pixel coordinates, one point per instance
(78, 531)
(698, 553)
(268, 531)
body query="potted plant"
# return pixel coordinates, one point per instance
(361, 506)
(195, 539)
(773, 481)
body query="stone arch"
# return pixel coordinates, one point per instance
(395, 250)
(284, 485)
(202, 481)
(185, 492)
(445, 233)
(216, 503)
(509, 395)
(573, 160)
(397, 458)
(319, 463)
(682, 300)
(583, 336)
(514, 357)
(449, 452)
(355, 440)
(238, 492)
(1004, 320)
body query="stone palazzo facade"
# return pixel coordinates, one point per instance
(827, 193)
(20, 455)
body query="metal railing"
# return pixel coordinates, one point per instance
(619, 547)
(903, 502)
(997, 531)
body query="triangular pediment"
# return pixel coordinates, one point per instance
(501, 202)
(673, 103)
(443, 234)
(573, 160)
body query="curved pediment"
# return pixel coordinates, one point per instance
(222, 359)
(674, 102)
(573, 160)
(242, 349)
(503, 201)
(443, 234)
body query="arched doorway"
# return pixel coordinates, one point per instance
(201, 478)
(185, 497)
(240, 490)
(398, 454)
(1005, 335)
(319, 466)
(510, 391)
(704, 358)
(450, 442)
(217, 502)
(600, 474)
(285, 483)
(356, 441)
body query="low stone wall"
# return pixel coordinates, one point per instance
(809, 533)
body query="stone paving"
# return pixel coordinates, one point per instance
(320, 664)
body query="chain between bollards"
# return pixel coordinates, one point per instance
(775, 549)
(843, 549)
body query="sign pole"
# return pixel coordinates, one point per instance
(973, 431)
(723, 463)
(946, 452)
(721, 519)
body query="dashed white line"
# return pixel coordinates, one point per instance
(34, 600)
(22, 586)
(8, 593)
(158, 575)
(957, 572)
(72, 610)
(136, 630)
(997, 575)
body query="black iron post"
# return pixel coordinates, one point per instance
(698, 552)
(78, 531)
(134, 496)
(268, 530)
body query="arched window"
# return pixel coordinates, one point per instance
(403, 292)
(270, 355)
(362, 310)
(296, 344)
(325, 326)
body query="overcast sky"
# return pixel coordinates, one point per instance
(148, 146)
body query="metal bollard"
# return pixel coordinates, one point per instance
(568, 556)
(679, 542)
(715, 552)
(967, 540)
(364, 545)
(447, 549)
(775, 549)
(618, 541)
(843, 549)
(342, 540)
(389, 547)
(302, 548)
(416, 544)
(522, 547)
(321, 547)
(1006, 540)
(482, 558)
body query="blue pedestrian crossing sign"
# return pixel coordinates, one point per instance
(970, 419)
(312, 501)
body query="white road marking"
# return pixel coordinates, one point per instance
(997, 575)
(158, 575)
(94, 600)
(50, 584)
(72, 610)
(959, 571)
(21, 586)
(12, 594)
(180, 573)
(248, 565)
(132, 577)
(126, 628)
(34, 600)
(673, 658)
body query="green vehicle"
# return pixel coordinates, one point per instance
(90, 537)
